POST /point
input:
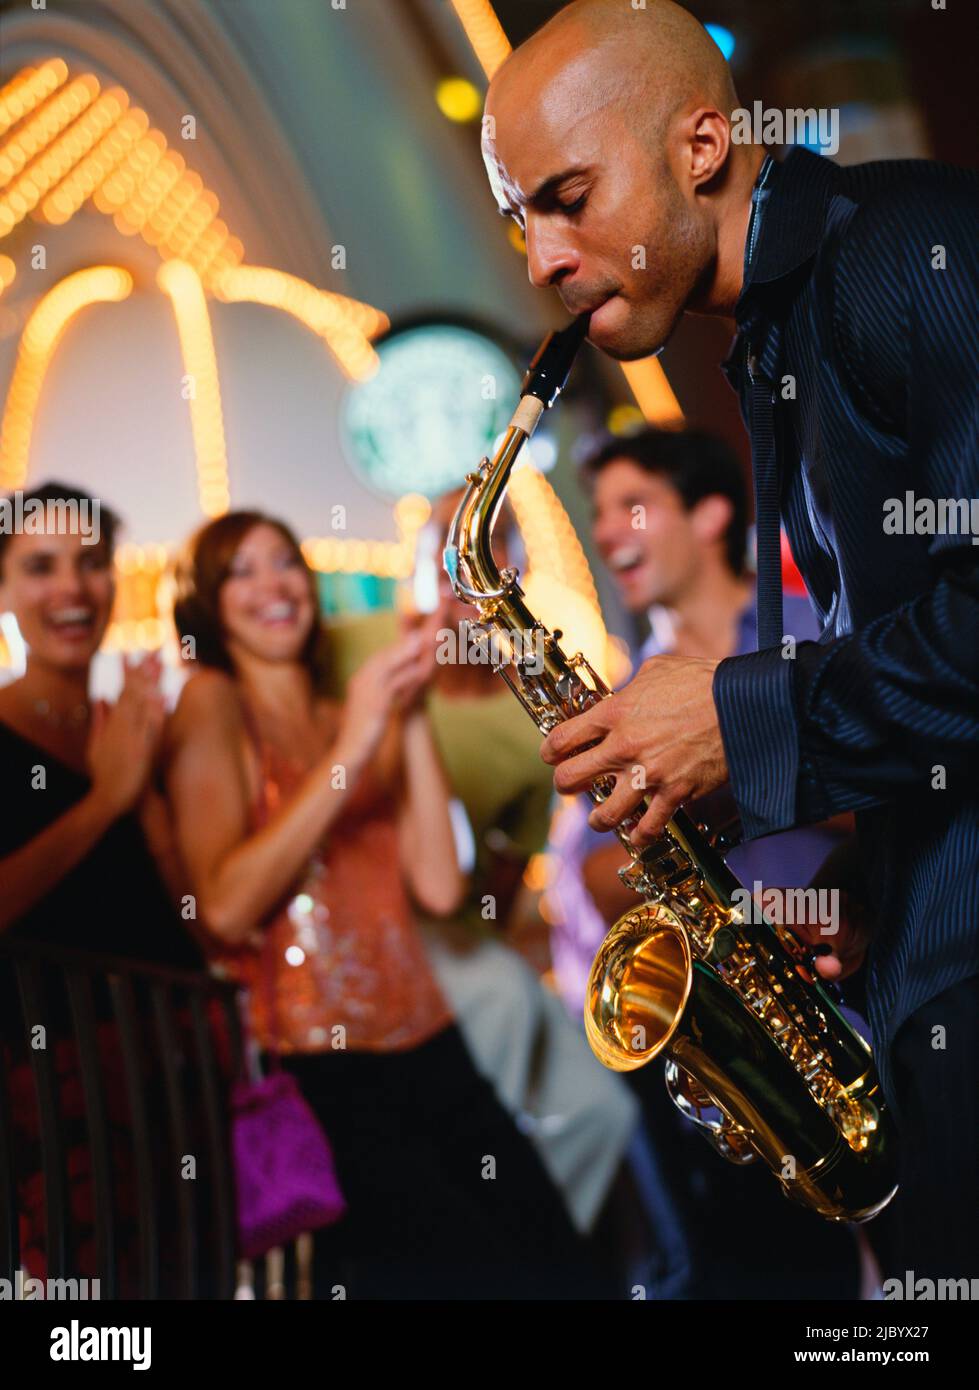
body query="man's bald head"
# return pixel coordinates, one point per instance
(602, 133)
(659, 54)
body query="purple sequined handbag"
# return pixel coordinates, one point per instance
(285, 1178)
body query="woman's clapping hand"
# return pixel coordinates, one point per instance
(124, 738)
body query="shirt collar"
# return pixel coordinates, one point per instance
(661, 633)
(759, 197)
(799, 189)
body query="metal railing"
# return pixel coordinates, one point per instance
(114, 1079)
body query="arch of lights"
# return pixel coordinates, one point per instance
(64, 143)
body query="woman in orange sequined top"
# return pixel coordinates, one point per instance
(308, 828)
(304, 824)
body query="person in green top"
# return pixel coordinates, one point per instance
(579, 1116)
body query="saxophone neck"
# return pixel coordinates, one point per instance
(468, 555)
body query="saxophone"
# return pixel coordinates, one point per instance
(758, 1054)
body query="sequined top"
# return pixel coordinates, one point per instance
(342, 964)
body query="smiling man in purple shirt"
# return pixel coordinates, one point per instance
(669, 519)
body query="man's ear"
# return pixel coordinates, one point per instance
(711, 517)
(708, 140)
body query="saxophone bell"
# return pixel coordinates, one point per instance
(638, 988)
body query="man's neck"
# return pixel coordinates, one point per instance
(704, 621)
(734, 218)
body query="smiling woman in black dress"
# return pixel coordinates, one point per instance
(83, 843)
(81, 833)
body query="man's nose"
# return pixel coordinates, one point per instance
(605, 531)
(550, 257)
(69, 582)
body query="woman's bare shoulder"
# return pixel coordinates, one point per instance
(210, 700)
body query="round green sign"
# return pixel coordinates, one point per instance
(440, 398)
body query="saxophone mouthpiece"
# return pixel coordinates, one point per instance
(549, 371)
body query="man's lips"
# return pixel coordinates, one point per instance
(597, 317)
(592, 307)
(623, 559)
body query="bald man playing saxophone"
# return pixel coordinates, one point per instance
(611, 129)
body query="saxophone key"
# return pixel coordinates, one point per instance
(815, 1066)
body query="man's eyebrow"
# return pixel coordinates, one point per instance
(544, 191)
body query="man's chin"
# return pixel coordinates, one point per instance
(625, 343)
(627, 352)
(637, 598)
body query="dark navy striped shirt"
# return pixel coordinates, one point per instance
(859, 317)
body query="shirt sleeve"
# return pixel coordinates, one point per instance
(853, 722)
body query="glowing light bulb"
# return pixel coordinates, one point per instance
(723, 38)
(458, 99)
(624, 419)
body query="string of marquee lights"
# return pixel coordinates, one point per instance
(559, 582)
(31, 86)
(181, 282)
(67, 142)
(385, 559)
(646, 378)
(484, 31)
(346, 325)
(554, 547)
(43, 331)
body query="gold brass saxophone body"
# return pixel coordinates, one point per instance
(758, 1054)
